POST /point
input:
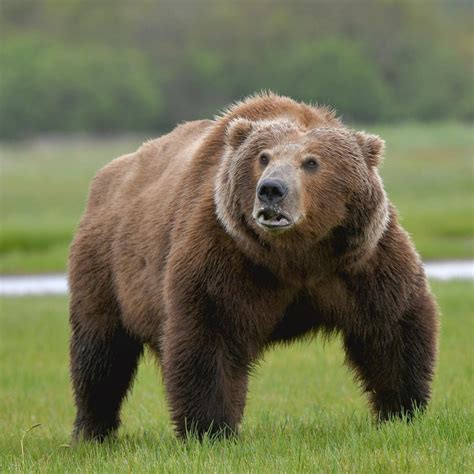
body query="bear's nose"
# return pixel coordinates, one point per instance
(271, 191)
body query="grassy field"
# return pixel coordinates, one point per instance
(428, 173)
(304, 414)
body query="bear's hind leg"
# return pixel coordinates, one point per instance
(103, 365)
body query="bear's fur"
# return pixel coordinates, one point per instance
(184, 247)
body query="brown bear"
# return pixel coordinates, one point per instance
(227, 236)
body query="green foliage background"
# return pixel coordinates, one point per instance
(108, 66)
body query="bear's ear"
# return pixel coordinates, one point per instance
(237, 132)
(372, 147)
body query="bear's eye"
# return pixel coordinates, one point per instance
(311, 163)
(264, 158)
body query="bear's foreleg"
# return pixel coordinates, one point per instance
(395, 361)
(206, 387)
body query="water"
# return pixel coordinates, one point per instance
(33, 285)
(57, 284)
(451, 270)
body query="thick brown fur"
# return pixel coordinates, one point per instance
(169, 254)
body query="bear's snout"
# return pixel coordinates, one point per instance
(271, 210)
(276, 200)
(272, 191)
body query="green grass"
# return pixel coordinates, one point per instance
(43, 194)
(304, 413)
(428, 173)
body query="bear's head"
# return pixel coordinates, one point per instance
(280, 181)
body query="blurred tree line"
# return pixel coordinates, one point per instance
(112, 65)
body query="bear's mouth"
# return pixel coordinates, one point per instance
(271, 218)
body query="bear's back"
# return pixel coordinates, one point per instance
(157, 162)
